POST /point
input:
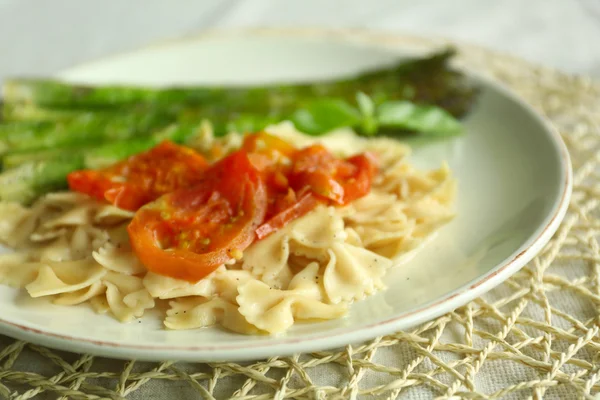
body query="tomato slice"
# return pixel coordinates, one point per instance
(269, 145)
(143, 177)
(340, 181)
(305, 203)
(271, 155)
(188, 233)
(358, 184)
(316, 167)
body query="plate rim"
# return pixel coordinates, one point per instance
(340, 336)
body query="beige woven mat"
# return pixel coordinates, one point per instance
(535, 336)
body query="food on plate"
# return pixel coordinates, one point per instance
(251, 208)
(251, 232)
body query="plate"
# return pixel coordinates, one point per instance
(514, 178)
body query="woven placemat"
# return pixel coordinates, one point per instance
(535, 336)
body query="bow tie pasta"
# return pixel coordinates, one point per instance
(73, 249)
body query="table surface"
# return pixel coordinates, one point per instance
(41, 37)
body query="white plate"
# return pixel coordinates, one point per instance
(514, 184)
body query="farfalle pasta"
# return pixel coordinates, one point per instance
(73, 249)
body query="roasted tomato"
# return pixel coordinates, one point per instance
(269, 145)
(268, 153)
(188, 233)
(272, 156)
(292, 208)
(340, 181)
(143, 177)
(358, 184)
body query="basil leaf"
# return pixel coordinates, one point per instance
(324, 115)
(365, 104)
(367, 108)
(248, 123)
(431, 120)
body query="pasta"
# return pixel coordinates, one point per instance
(72, 250)
(274, 310)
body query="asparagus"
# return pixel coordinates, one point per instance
(425, 80)
(53, 128)
(32, 113)
(84, 129)
(94, 156)
(16, 158)
(37, 174)
(29, 181)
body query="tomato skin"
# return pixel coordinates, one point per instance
(141, 178)
(272, 146)
(340, 181)
(315, 167)
(232, 187)
(359, 184)
(305, 203)
(93, 183)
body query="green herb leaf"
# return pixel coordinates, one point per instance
(367, 107)
(365, 104)
(430, 120)
(324, 115)
(245, 123)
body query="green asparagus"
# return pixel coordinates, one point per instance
(85, 129)
(15, 158)
(28, 181)
(35, 173)
(51, 128)
(94, 156)
(425, 80)
(32, 113)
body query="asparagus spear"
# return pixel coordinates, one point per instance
(32, 112)
(83, 130)
(94, 156)
(79, 118)
(34, 177)
(29, 181)
(427, 80)
(424, 81)
(21, 143)
(14, 159)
